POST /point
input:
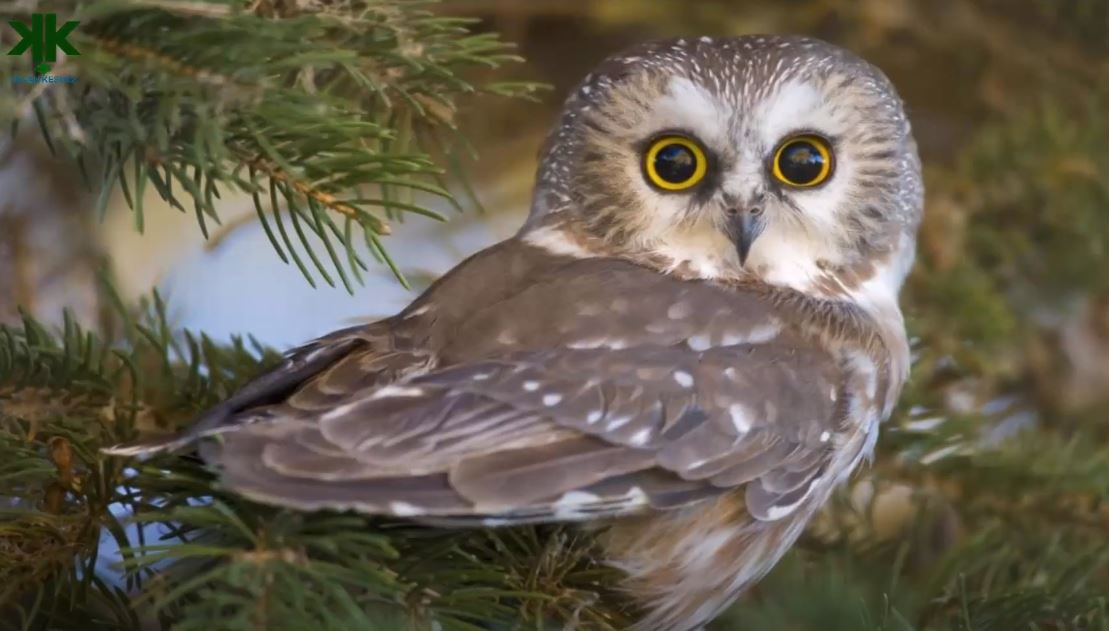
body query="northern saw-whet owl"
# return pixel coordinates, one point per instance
(694, 337)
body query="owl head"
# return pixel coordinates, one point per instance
(782, 158)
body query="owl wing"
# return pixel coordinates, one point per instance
(555, 435)
(573, 389)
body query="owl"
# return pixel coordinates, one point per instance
(692, 340)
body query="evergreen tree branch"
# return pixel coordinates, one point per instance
(329, 111)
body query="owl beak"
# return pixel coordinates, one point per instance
(744, 226)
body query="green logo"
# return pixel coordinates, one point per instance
(44, 38)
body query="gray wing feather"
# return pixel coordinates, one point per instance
(533, 390)
(547, 435)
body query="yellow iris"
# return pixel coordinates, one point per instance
(675, 163)
(803, 161)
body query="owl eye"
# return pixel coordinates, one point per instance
(674, 163)
(803, 161)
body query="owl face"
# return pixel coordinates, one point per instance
(786, 159)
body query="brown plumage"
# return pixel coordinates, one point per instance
(618, 359)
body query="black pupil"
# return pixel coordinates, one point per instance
(801, 162)
(675, 163)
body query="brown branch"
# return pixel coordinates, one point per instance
(321, 197)
(141, 53)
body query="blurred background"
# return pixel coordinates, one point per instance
(1008, 304)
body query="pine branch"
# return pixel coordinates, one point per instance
(325, 113)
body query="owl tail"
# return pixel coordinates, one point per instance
(212, 423)
(300, 365)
